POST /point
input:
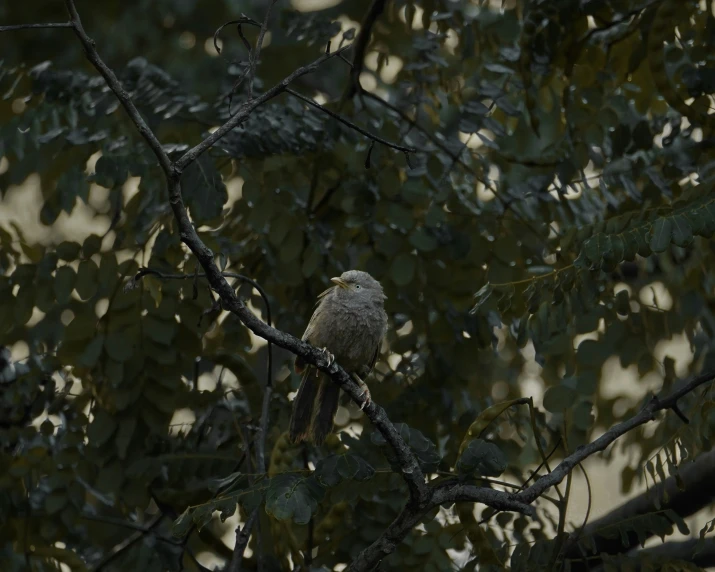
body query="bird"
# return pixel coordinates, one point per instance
(349, 323)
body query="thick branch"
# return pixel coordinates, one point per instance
(698, 493)
(361, 43)
(646, 414)
(459, 492)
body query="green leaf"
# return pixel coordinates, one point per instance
(101, 429)
(402, 269)
(422, 240)
(64, 284)
(203, 189)
(68, 251)
(482, 458)
(110, 171)
(682, 232)
(559, 398)
(293, 497)
(661, 234)
(483, 420)
(72, 184)
(124, 435)
(92, 245)
(119, 346)
(334, 469)
(86, 284)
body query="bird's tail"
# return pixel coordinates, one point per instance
(303, 406)
(325, 409)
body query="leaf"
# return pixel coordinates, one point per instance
(203, 190)
(334, 469)
(65, 279)
(482, 458)
(402, 269)
(293, 497)
(661, 234)
(119, 346)
(483, 420)
(682, 232)
(559, 398)
(124, 435)
(91, 246)
(110, 171)
(424, 449)
(422, 240)
(101, 429)
(86, 284)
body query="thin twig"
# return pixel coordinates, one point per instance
(245, 110)
(16, 27)
(242, 537)
(256, 53)
(349, 123)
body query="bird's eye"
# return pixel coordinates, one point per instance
(357, 286)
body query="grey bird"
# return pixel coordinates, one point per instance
(349, 323)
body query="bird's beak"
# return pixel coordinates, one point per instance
(339, 282)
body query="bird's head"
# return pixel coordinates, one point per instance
(358, 285)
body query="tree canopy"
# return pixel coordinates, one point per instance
(531, 182)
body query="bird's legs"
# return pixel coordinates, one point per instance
(365, 390)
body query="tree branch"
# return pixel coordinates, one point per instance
(242, 537)
(350, 124)
(646, 414)
(361, 43)
(255, 54)
(15, 27)
(116, 87)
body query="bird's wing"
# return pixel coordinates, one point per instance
(299, 364)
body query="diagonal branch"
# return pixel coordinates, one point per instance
(349, 123)
(646, 414)
(116, 87)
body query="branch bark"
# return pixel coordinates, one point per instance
(361, 43)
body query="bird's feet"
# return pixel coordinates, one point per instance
(330, 357)
(365, 391)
